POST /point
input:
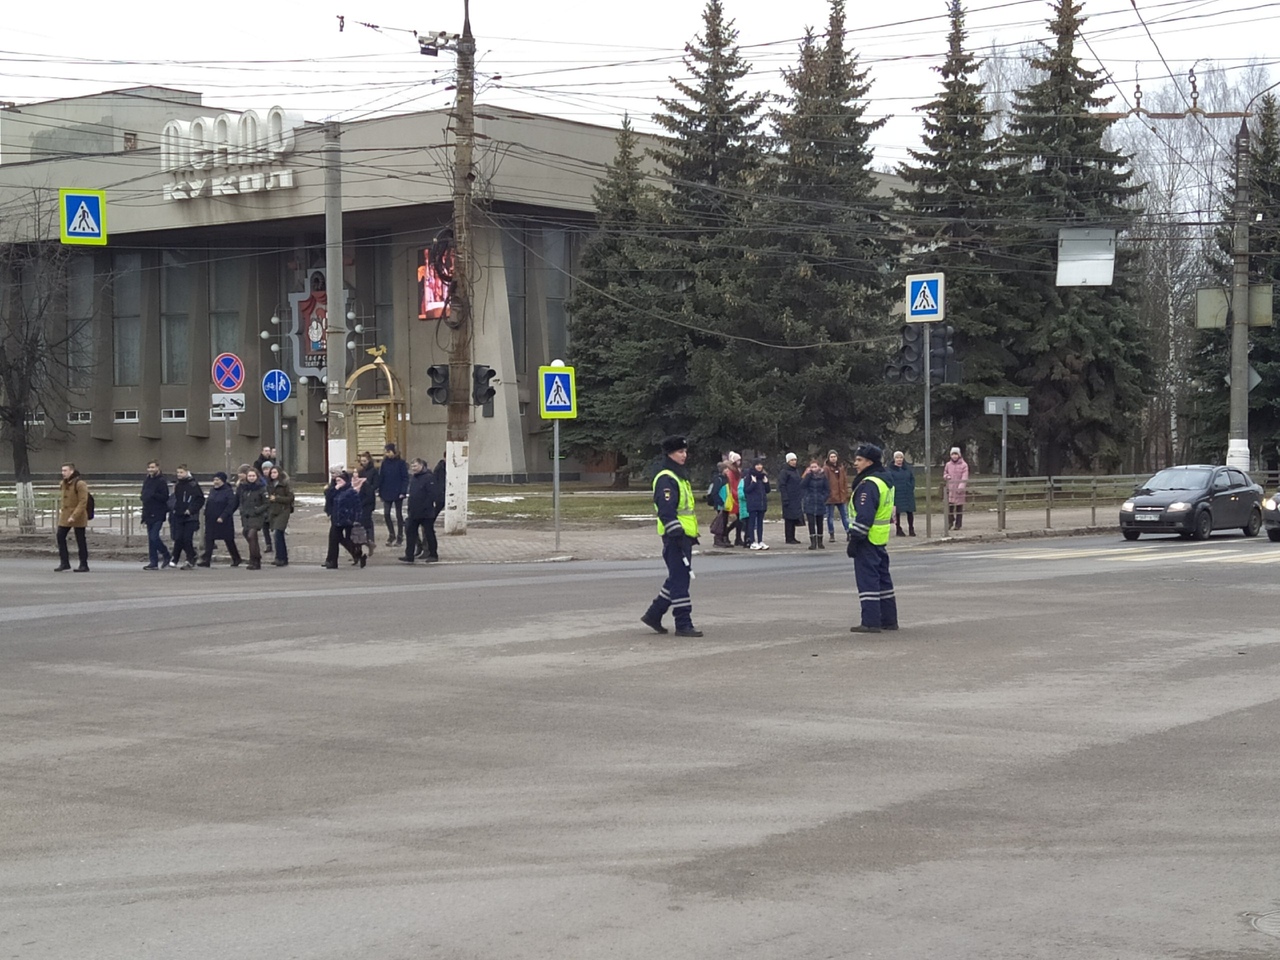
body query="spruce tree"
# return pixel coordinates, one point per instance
(1079, 354)
(817, 254)
(949, 217)
(710, 162)
(616, 340)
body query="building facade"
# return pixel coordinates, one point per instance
(215, 245)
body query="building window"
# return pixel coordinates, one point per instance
(173, 415)
(79, 322)
(126, 319)
(79, 416)
(130, 141)
(35, 419)
(175, 324)
(514, 252)
(125, 416)
(554, 264)
(226, 288)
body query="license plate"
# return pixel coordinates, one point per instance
(1146, 516)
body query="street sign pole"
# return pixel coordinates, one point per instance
(926, 303)
(1006, 407)
(557, 400)
(555, 478)
(1004, 458)
(928, 438)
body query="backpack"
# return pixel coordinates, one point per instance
(712, 499)
(88, 512)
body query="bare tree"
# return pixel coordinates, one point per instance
(1180, 161)
(43, 351)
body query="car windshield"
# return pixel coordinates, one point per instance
(1179, 479)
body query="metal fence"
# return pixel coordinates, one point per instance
(114, 512)
(1050, 493)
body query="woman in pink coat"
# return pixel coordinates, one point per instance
(955, 477)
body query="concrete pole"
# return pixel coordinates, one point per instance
(336, 331)
(1238, 435)
(457, 447)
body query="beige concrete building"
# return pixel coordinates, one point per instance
(214, 221)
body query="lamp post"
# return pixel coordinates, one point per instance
(275, 334)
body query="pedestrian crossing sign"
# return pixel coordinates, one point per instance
(926, 297)
(557, 393)
(83, 217)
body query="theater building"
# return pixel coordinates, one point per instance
(215, 231)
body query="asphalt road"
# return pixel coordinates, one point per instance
(1066, 752)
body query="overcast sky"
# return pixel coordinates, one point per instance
(589, 61)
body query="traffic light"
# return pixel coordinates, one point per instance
(940, 352)
(481, 391)
(908, 365)
(439, 389)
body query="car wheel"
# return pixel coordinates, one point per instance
(1204, 525)
(1255, 523)
(1274, 535)
(1131, 534)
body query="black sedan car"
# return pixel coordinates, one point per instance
(1271, 517)
(1193, 501)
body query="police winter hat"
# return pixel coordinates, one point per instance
(671, 444)
(869, 451)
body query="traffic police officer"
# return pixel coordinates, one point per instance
(678, 527)
(872, 502)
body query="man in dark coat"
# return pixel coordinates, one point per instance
(792, 499)
(393, 487)
(424, 505)
(187, 498)
(155, 508)
(219, 520)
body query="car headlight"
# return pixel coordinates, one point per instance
(1180, 506)
(1269, 504)
(1126, 507)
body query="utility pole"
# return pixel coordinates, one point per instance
(1238, 425)
(335, 341)
(1238, 432)
(457, 446)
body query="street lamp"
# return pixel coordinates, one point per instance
(275, 334)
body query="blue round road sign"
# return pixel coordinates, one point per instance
(228, 373)
(276, 386)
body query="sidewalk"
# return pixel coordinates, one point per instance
(512, 542)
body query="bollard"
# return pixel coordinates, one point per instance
(1093, 503)
(1048, 503)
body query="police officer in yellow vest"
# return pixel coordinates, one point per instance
(872, 503)
(678, 527)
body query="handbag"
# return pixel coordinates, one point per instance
(359, 536)
(720, 525)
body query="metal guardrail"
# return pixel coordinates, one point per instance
(1032, 493)
(116, 514)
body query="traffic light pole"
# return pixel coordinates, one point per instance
(457, 447)
(928, 435)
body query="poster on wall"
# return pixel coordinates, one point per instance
(311, 324)
(435, 278)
